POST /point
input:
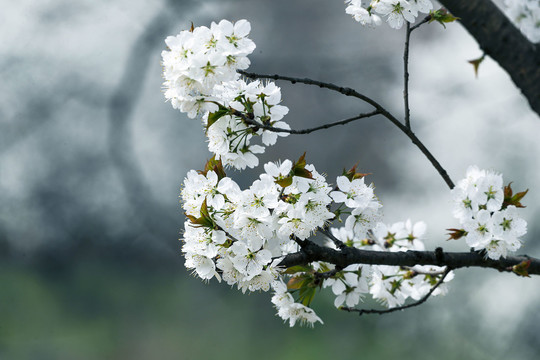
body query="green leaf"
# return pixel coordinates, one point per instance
(307, 294)
(522, 268)
(216, 115)
(285, 181)
(297, 269)
(205, 220)
(442, 16)
(476, 64)
(215, 166)
(298, 168)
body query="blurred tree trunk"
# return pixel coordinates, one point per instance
(503, 42)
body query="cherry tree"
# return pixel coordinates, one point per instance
(263, 238)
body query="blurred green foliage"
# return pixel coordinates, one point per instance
(98, 309)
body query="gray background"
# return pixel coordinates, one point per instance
(92, 158)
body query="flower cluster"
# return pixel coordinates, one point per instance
(240, 236)
(488, 213)
(391, 285)
(369, 12)
(200, 71)
(234, 234)
(229, 136)
(290, 310)
(360, 198)
(201, 58)
(526, 15)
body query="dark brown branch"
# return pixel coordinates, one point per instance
(406, 76)
(503, 42)
(351, 92)
(403, 307)
(339, 244)
(249, 121)
(327, 274)
(342, 90)
(454, 260)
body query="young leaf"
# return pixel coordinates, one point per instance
(307, 294)
(216, 115)
(297, 269)
(521, 269)
(511, 199)
(285, 181)
(476, 64)
(442, 16)
(352, 174)
(456, 234)
(299, 168)
(214, 165)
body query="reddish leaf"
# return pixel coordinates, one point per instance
(511, 199)
(456, 234)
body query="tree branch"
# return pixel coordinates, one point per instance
(406, 76)
(303, 131)
(424, 20)
(503, 42)
(351, 92)
(453, 260)
(403, 307)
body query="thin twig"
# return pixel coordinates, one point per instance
(424, 20)
(386, 311)
(351, 92)
(327, 274)
(406, 76)
(340, 245)
(420, 272)
(249, 121)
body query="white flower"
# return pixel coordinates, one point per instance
(352, 286)
(363, 219)
(490, 191)
(278, 171)
(360, 14)
(410, 236)
(464, 206)
(386, 284)
(290, 310)
(507, 224)
(424, 6)
(478, 230)
(355, 194)
(397, 11)
(249, 261)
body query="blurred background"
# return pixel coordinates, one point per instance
(92, 159)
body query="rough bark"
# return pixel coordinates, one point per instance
(312, 252)
(503, 42)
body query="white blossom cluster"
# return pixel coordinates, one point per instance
(488, 223)
(200, 72)
(369, 12)
(235, 234)
(391, 285)
(240, 236)
(526, 15)
(229, 137)
(290, 310)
